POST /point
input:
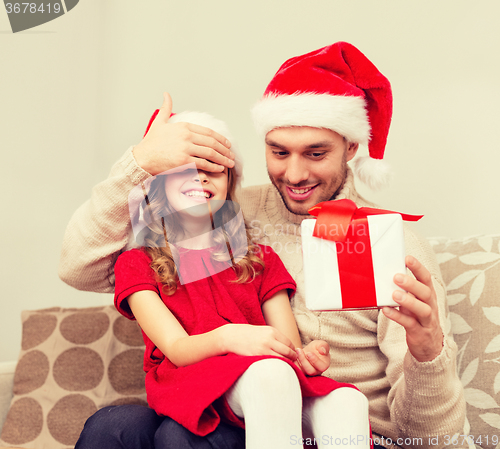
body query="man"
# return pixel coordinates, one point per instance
(313, 115)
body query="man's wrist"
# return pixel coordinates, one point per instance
(128, 165)
(429, 356)
(143, 159)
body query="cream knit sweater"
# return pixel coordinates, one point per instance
(408, 399)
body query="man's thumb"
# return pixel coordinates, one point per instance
(163, 113)
(166, 107)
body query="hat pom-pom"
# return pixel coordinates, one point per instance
(375, 173)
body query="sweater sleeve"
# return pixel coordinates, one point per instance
(426, 398)
(99, 229)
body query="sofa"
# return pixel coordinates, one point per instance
(75, 361)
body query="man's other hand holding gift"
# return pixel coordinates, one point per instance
(418, 312)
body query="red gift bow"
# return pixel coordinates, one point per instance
(335, 217)
(342, 221)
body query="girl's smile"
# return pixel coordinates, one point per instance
(196, 187)
(199, 194)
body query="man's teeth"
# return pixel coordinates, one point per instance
(300, 191)
(198, 193)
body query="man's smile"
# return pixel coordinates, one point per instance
(300, 194)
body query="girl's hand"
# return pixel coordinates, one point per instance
(314, 358)
(247, 339)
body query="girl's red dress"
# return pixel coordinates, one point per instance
(193, 395)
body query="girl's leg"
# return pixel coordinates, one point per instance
(171, 435)
(268, 397)
(138, 427)
(120, 427)
(339, 419)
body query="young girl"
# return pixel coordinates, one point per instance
(221, 339)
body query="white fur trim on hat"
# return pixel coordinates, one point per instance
(375, 173)
(208, 121)
(345, 115)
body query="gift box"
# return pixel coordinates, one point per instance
(351, 255)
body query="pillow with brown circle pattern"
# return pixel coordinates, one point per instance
(72, 363)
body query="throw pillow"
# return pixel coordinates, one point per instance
(72, 363)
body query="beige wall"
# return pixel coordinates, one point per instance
(76, 92)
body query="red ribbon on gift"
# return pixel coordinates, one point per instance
(346, 224)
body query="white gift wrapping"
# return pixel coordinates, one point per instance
(321, 264)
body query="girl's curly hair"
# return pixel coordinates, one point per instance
(246, 264)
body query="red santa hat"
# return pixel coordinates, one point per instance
(337, 88)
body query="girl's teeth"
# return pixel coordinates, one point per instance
(197, 193)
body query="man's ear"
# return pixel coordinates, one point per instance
(352, 149)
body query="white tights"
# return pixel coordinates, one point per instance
(268, 397)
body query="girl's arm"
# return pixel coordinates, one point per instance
(278, 314)
(165, 331)
(314, 358)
